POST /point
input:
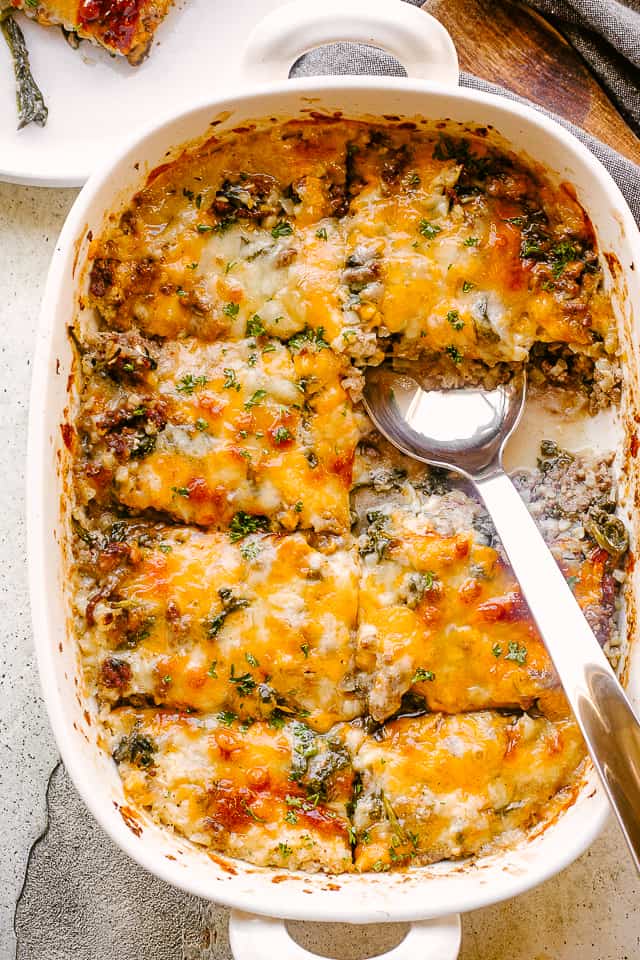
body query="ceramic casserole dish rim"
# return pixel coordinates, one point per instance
(426, 892)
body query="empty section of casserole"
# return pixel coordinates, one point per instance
(123, 27)
(287, 624)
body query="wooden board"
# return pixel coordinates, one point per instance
(511, 45)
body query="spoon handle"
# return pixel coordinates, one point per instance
(600, 705)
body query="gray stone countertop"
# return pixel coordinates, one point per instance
(65, 890)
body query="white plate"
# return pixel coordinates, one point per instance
(97, 102)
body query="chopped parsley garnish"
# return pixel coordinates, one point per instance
(285, 850)
(205, 228)
(165, 547)
(454, 319)
(245, 523)
(421, 675)
(429, 229)
(192, 266)
(251, 660)
(281, 435)
(254, 327)
(250, 551)
(305, 649)
(573, 582)
(277, 719)
(455, 355)
(181, 491)
(244, 682)
(231, 381)
(282, 229)
(211, 672)
(201, 425)
(413, 180)
(255, 399)
(189, 383)
(229, 605)
(298, 506)
(562, 254)
(308, 336)
(290, 817)
(496, 650)
(226, 717)
(321, 233)
(471, 242)
(530, 248)
(517, 653)
(231, 309)
(467, 286)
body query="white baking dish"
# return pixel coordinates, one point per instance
(432, 897)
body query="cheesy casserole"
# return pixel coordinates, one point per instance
(123, 27)
(307, 650)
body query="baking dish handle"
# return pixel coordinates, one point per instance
(267, 938)
(416, 39)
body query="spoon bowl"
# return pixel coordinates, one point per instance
(462, 429)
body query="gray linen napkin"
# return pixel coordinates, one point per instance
(607, 34)
(85, 899)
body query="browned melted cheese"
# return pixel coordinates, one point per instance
(302, 644)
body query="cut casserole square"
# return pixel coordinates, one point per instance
(441, 618)
(440, 787)
(277, 798)
(262, 627)
(208, 431)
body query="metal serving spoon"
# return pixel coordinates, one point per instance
(466, 430)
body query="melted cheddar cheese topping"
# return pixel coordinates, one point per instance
(309, 651)
(123, 27)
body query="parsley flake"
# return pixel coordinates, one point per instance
(255, 399)
(516, 653)
(282, 229)
(189, 383)
(454, 319)
(421, 675)
(428, 229)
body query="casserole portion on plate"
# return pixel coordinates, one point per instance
(308, 651)
(123, 27)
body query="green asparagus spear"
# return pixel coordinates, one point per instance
(31, 105)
